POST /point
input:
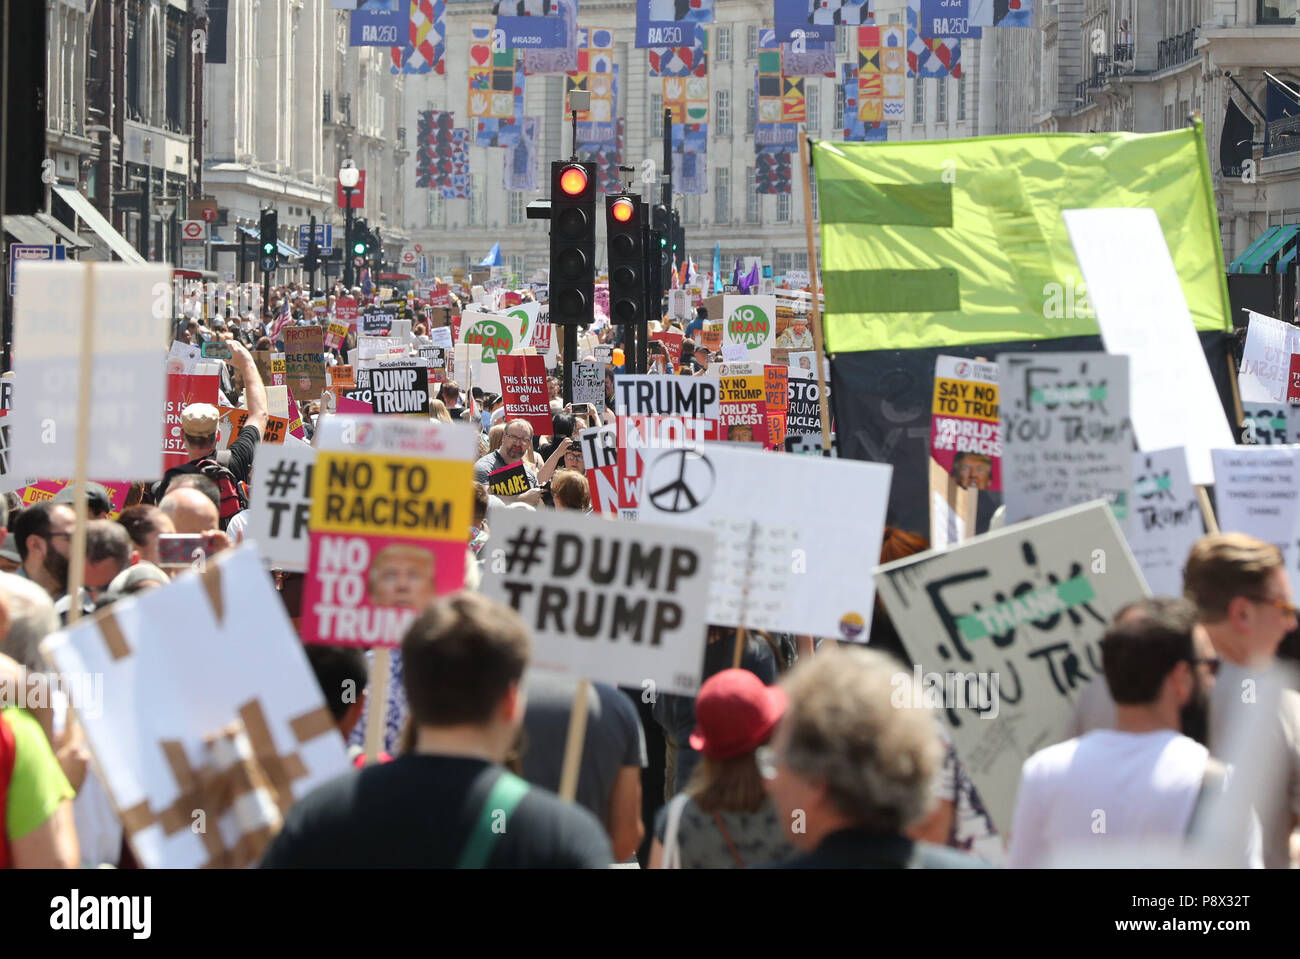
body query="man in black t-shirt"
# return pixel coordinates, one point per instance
(448, 802)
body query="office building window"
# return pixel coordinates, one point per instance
(722, 44)
(961, 99)
(839, 107)
(516, 207)
(815, 208)
(918, 100)
(477, 202)
(1276, 11)
(435, 208)
(813, 106)
(656, 115)
(752, 199)
(842, 42)
(751, 43)
(517, 264)
(783, 208)
(722, 112)
(941, 101)
(751, 108)
(722, 195)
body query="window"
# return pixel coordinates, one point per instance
(783, 208)
(517, 265)
(723, 44)
(783, 263)
(918, 100)
(1276, 11)
(842, 42)
(1169, 116)
(961, 100)
(752, 198)
(815, 208)
(839, 107)
(751, 108)
(516, 212)
(656, 114)
(895, 19)
(722, 112)
(751, 43)
(1183, 110)
(813, 106)
(941, 101)
(722, 195)
(435, 208)
(477, 206)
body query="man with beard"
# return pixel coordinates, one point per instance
(43, 535)
(1125, 787)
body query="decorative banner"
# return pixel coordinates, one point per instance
(750, 321)
(182, 390)
(1067, 437)
(596, 74)
(304, 360)
(1001, 13)
(1164, 519)
(563, 58)
(391, 507)
(525, 24)
(965, 428)
(1021, 610)
(783, 562)
(496, 89)
(520, 167)
(817, 59)
(882, 74)
(690, 158)
(742, 410)
(523, 389)
(855, 130)
(280, 505)
(606, 601)
(836, 12)
(668, 23)
(791, 18)
(400, 386)
(236, 661)
(379, 23)
(930, 57)
(682, 60)
(780, 109)
(607, 159)
(948, 18)
(426, 40)
(433, 148)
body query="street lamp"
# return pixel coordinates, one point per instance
(349, 177)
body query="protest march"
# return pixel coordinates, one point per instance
(877, 557)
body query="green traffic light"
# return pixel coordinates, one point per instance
(359, 249)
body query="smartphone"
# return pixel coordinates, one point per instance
(216, 350)
(178, 550)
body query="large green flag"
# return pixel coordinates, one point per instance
(953, 242)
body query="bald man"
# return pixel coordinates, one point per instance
(190, 511)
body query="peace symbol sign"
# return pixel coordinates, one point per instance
(680, 480)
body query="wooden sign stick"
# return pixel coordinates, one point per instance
(377, 705)
(819, 341)
(77, 565)
(1203, 498)
(574, 742)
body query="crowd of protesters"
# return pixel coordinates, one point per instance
(798, 758)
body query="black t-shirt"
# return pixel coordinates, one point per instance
(418, 811)
(241, 453)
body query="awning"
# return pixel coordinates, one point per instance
(97, 224)
(43, 229)
(1260, 253)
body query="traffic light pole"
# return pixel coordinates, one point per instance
(313, 256)
(349, 277)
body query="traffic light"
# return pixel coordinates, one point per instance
(678, 239)
(661, 223)
(573, 242)
(624, 231)
(360, 243)
(270, 227)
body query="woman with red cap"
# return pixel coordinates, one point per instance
(724, 819)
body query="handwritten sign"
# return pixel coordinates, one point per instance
(1164, 518)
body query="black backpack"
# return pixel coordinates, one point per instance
(233, 495)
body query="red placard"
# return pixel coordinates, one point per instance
(358, 194)
(523, 387)
(1293, 383)
(672, 341)
(345, 310)
(182, 390)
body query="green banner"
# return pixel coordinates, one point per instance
(962, 242)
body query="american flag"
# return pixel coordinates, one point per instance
(282, 320)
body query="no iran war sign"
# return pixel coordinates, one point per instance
(391, 505)
(612, 602)
(280, 511)
(1010, 621)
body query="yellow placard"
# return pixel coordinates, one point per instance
(966, 399)
(391, 496)
(742, 389)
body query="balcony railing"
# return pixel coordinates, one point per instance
(1123, 53)
(1283, 137)
(1175, 50)
(1083, 94)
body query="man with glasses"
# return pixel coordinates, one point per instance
(43, 535)
(1243, 599)
(516, 441)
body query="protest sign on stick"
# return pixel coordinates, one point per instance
(523, 389)
(1164, 519)
(742, 409)
(1266, 359)
(1257, 489)
(965, 431)
(1021, 610)
(589, 384)
(600, 461)
(400, 386)
(279, 513)
(304, 361)
(658, 412)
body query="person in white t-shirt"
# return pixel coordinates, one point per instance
(1114, 790)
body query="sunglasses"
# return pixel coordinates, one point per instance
(1212, 663)
(1280, 604)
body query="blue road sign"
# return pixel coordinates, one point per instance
(31, 251)
(324, 237)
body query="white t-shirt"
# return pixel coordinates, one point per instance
(1104, 786)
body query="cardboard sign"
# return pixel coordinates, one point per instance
(783, 561)
(391, 507)
(742, 409)
(48, 489)
(659, 412)
(127, 383)
(600, 463)
(1066, 432)
(509, 480)
(523, 389)
(335, 335)
(279, 371)
(1269, 424)
(236, 660)
(341, 377)
(373, 323)
(1020, 610)
(805, 414)
(1143, 315)
(1164, 519)
(233, 420)
(1257, 491)
(1266, 359)
(775, 430)
(672, 341)
(606, 601)
(710, 336)
(304, 361)
(441, 336)
(750, 322)
(589, 384)
(965, 428)
(182, 390)
(400, 386)
(734, 352)
(776, 382)
(280, 505)
(489, 336)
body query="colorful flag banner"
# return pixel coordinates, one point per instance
(938, 57)
(681, 61)
(855, 130)
(670, 23)
(564, 58)
(596, 74)
(948, 18)
(530, 24)
(426, 40)
(496, 89)
(840, 11)
(520, 168)
(882, 74)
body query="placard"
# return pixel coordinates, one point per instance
(965, 428)
(509, 481)
(182, 390)
(742, 409)
(749, 321)
(606, 601)
(589, 384)
(523, 389)
(656, 412)
(1164, 519)
(1021, 610)
(304, 361)
(335, 334)
(600, 463)
(1067, 437)
(1266, 359)
(804, 415)
(280, 505)
(375, 323)
(400, 386)
(1257, 492)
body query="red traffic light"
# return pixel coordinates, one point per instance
(573, 181)
(622, 209)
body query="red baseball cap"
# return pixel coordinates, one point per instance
(735, 714)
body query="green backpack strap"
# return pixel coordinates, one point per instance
(504, 796)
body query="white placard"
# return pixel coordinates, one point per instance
(1164, 519)
(213, 659)
(1066, 433)
(128, 385)
(604, 600)
(1009, 623)
(1143, 315)
(749, 321)
(783, 561)
(589, 384)
(1266, 359)
(441, 336)
(281, 504)
(1257, 492)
